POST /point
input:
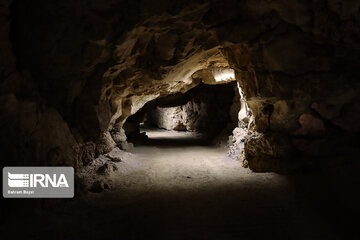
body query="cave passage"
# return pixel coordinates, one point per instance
(181, 141)
(193, 119)
(205, 115)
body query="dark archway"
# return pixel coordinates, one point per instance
(208, 110)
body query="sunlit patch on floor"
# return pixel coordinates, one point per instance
(178, 163)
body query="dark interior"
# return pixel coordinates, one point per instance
(204, 109)
(194, 119)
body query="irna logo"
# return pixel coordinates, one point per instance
(37, 180)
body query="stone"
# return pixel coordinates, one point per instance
(105, 143)
(126, 146)
(87, 153)
(265, 152)
(117, 155)
(236, 144)
(106, 169)
(115, 159)
(97, 187)
(118, 135)
(310, 125)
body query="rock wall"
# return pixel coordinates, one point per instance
(204, 109)
(295, 78)
(72, 72)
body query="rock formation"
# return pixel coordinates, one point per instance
(204, 109)
(72, 72)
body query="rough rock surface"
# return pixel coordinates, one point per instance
(95, 175)
(205, 109)
(71, 72)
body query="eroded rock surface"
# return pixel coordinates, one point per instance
(204, 109)
(72, 72)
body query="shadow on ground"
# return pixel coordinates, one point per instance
(317, 205)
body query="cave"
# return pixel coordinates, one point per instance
(208, 111)
(201, 119)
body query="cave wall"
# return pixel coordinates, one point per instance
(71, 73)
(205, 109)
(298, 82)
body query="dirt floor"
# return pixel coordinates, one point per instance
(177, 188)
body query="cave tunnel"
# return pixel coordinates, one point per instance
(191, 119)
(205, 114)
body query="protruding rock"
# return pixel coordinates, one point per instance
(310, 125)
(105, 143)
(87, 153)
(106, 169)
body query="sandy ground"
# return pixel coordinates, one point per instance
(178, 188)
(178, 162)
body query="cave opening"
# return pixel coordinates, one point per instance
(204, 115)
